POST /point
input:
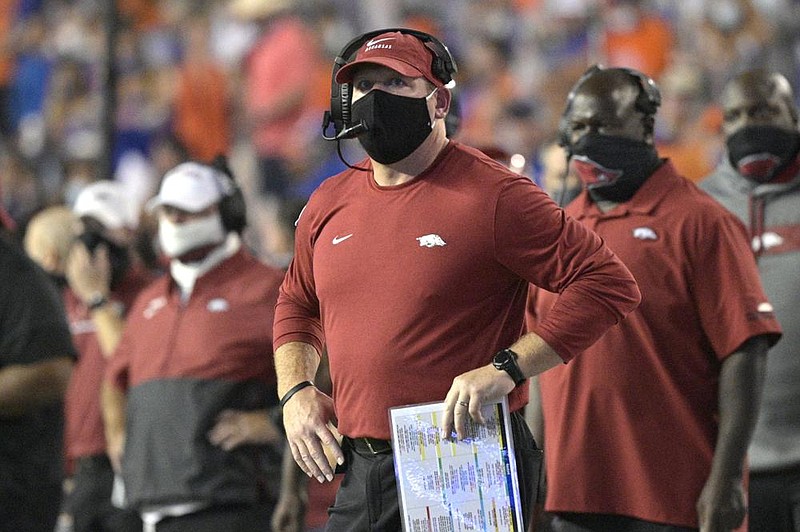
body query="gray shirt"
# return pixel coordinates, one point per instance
(771, 212)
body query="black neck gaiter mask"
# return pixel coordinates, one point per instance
(396, 125)
(760, 153)
(613, 168)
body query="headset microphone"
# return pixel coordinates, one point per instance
(348, 132)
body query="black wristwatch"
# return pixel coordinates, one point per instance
(506, 360)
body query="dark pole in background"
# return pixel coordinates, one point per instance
(109, 110)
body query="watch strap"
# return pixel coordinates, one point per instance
(506, 360)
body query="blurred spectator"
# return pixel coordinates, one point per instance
(488, 84)
(520, 131)
(202, 108)
(30, 84)
(731, 35)
(536, 47)
(20, 194)
(8, 14)
(280, 87)
(687, 126)
(633, 35)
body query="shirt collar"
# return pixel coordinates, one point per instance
(645, 201)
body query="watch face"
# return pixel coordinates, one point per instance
(501, 360)
(506, 360)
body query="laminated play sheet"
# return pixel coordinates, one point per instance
(455, 485)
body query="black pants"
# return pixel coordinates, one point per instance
(775, 501)
(28, 508)
(219, 519)
(367, 500)
(89, 503)
(609, 523)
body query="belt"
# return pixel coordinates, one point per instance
(371, 445)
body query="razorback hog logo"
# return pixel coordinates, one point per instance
(429, 241)
(644, 233)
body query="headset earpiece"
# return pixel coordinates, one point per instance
(232, 207)
(443, 67)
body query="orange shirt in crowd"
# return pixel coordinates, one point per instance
(8, 11)
(202, 110)
(645, 47)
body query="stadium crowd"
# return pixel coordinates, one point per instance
(88, 94)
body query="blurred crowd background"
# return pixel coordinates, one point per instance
(92, 89)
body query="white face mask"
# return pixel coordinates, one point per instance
(177, 239)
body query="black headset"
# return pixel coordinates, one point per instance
(443, 67)
(232, 207)
(647, 102)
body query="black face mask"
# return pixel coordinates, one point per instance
(613, 168)
(397, 125)
(117, 255)
(760, 153)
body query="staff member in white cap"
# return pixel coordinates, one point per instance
(192, 374)
(99, 282)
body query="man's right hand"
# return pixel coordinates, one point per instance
(308, 417)
(88, 274)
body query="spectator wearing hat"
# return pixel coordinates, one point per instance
(36, 358)
(396, 287)
(281, 101)
(192, 375)
(87, 253)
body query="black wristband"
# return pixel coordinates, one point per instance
(293, 390)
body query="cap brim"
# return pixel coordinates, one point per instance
(156, 202)
(345, 74)
(108, 220)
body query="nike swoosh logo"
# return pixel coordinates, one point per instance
(340, 239)
(373, 42)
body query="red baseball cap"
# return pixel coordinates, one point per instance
(401, 52)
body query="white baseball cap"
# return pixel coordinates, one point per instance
(191, 187)
(106, 202)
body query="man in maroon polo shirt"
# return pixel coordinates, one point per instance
(647, 430)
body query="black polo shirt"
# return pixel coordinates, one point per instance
(33, 328)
